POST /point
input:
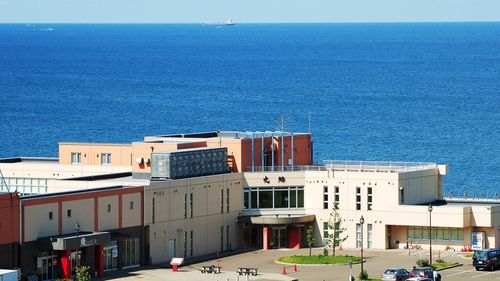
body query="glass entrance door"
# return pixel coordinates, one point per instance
(46, 267)
(280, 237)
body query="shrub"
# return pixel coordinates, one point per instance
(325, 251)
(423, 262)
(82, 273)
(363, 275)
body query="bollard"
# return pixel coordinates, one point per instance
(283, 271)
(295, 268)
(248, 277)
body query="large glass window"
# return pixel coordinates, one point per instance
(266, 198)
(325, 197)
(254, 196)
(438, 233)
(131, 254)
(300, 198)
(281, 198)
(110, 254)
(337, 196)
(274, 197)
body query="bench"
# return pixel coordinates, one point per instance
(247, 271)
(210, 269)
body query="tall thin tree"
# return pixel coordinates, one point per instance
(335, 235)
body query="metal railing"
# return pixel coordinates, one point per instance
(351, 166)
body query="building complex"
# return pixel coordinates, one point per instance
(114, 206)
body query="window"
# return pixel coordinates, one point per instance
(246, 199)
(222, 238)
(191, 243)
(222, 201)
(227, 200)
(370, 199)
(227, 238)
(325, 232)
(131, 253)
(131, 205)
(370, 235)
(358, 235)
(191, 203)
(109, 208)
(76, 157)
(185, 244)
(358, 198)
(51, 216)
(185, 205)
(68, 213)
(401, 195)
(105, 158)
(337, 196)
(325, 197)
(153, 210)
(444, 234)
(282, 197)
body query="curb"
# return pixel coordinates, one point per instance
(451, 266)
(311, 264)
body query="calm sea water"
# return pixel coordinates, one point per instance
(400, 92)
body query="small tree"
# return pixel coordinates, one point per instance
(335, 236)
(310, 238)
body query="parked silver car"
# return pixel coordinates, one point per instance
(395, 274)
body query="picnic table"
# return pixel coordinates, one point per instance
(247, 271)
(210, 269)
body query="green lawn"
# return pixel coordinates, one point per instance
(439, 265)
(469, 255)
(319, 259)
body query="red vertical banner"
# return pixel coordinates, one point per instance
(267, 237)
(65, 264)
(99, 260)
(294, 237)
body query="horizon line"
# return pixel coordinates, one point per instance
(250, 23)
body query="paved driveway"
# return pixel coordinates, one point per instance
(376, 263)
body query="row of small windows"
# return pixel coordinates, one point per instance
(358, 197)
(108, 209)
(290, 197)
(76, 158)
(438, 233)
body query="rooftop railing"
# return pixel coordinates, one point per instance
(351, 166)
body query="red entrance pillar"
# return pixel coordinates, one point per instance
(65, 264)
(266, 237)
(294, 237)
(99, 261)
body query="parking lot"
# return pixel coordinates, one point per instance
(376, 263)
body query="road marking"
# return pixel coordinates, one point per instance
(487, 273)
(460, 272)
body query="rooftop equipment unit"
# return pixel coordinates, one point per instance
(186, 163)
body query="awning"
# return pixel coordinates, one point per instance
(73, 241)
(277, 219)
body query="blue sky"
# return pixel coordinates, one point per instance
(196, 11)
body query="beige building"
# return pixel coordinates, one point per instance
(193, 217)
(393, 199)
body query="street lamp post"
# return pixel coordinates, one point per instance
(361, 222)
(77, 229)
(430, 234)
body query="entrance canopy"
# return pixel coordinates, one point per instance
(277, 219)
(73, 241)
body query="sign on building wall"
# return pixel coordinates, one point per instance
(478, 240)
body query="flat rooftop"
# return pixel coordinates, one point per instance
(230, 134)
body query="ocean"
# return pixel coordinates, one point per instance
(425, 92)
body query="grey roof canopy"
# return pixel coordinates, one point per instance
(277, 219)
(73, 241)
